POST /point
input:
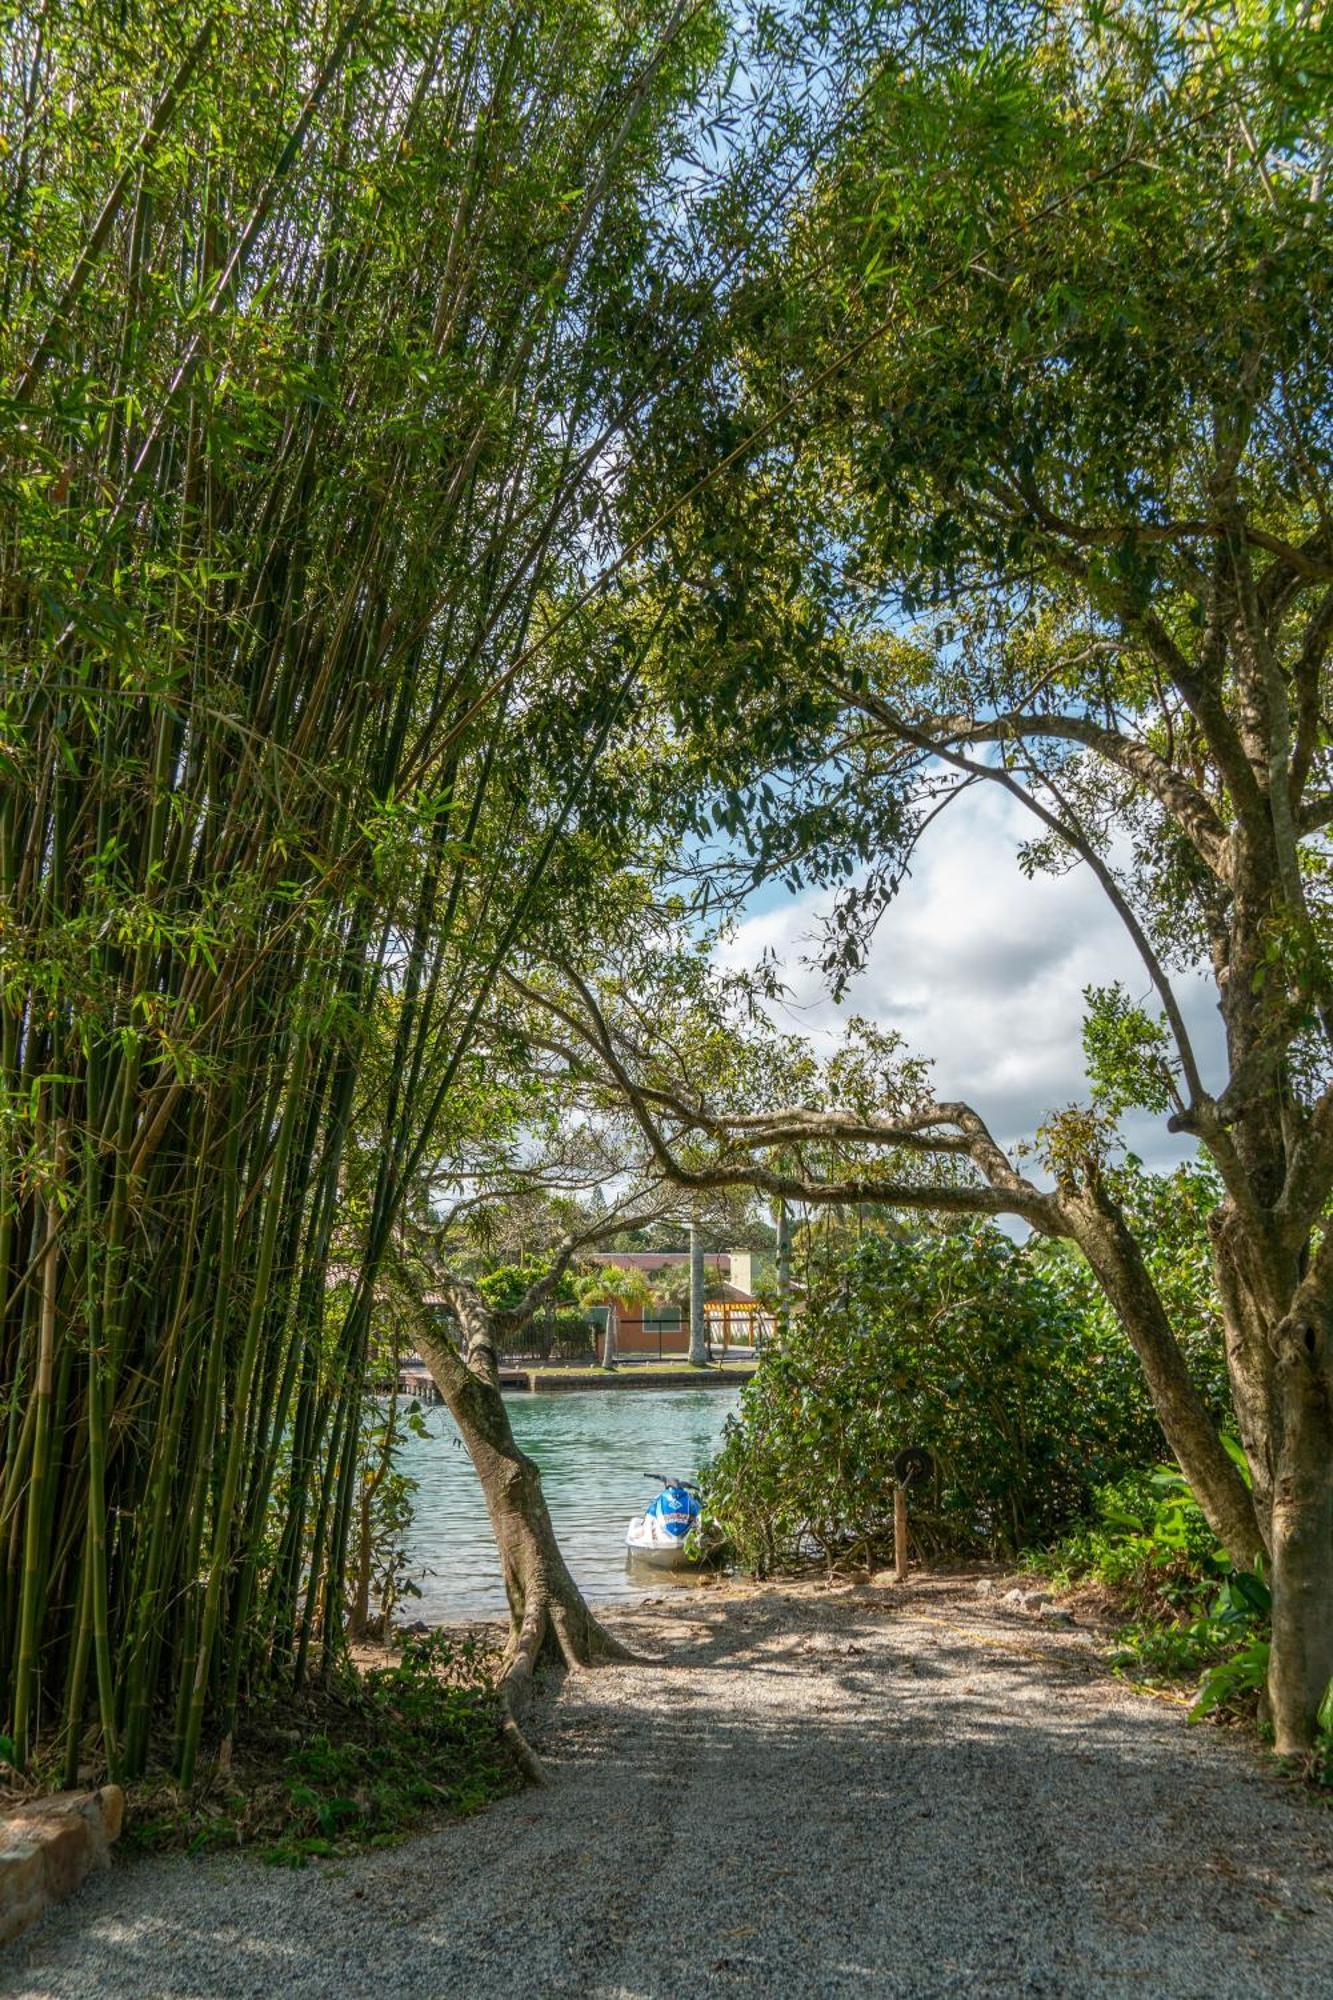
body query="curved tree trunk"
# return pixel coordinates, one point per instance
(1117, 1261)
(1277, 1317)
(1281, 1372)
(549, 1621)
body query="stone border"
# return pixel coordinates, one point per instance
(48, 1846)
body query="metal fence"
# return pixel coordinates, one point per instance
(730, 1326)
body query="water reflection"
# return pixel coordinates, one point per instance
(593, 1448)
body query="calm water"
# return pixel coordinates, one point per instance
(593, 1447)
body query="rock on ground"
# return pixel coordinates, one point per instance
(868, 1792)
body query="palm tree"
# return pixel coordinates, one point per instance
(615, 1288)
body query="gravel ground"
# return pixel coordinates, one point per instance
(854, 1793)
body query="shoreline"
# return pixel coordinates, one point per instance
(417, 1385)
(647, 1375)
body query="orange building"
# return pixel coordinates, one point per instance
(659, 1330)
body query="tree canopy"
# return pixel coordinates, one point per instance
(1027, 448)
(481, 489)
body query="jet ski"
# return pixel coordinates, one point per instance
(658, 1535)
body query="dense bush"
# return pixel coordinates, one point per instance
(1192, 1615)
(508, 1285)
(562, 1330)
(1169, 1215)
(986, 1354)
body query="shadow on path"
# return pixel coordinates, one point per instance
(813, 1794)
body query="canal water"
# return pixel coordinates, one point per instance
(593, 1447)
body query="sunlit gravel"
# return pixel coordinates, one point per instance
(867, 1792)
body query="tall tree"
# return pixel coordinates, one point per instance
(1035, 494)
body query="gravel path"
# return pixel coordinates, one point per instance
(855, 1793)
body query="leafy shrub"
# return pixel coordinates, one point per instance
(963, 1344)
(1149, 1543)
(1152, 1546)
(1231, 1676)
(356, 1766)
(1235, 1682)
(508, 1285)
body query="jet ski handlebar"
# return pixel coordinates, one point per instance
(663, 1480)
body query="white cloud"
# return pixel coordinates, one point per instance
(983, 971)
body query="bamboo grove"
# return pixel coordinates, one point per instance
(311, 372)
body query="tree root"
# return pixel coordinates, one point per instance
(594, 1645)
(569, 1636)
(516, 1687)
(519, 1748)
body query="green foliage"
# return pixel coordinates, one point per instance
(1127, 1053)
(378, 1566)
(571, 1335)
(507, 1285)
(1192, 1614)
(387, 1748)
(672, 1286)
(430, 1740)
(319, 335)
(608, 1284)
(1148, 1542)
(1235, 1683)
(1045, 254)
(956, 1343)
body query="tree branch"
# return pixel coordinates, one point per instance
(1006, 1192)
(1189, 808)
(1074, 838)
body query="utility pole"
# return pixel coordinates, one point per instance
(698, 1356)
(784, 1270)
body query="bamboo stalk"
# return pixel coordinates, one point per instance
(34, 1575)
(310, 406)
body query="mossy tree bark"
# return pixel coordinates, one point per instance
(550, 1623)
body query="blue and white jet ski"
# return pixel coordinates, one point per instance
(658, 1535)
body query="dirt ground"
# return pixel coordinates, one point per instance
(869, 1791)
